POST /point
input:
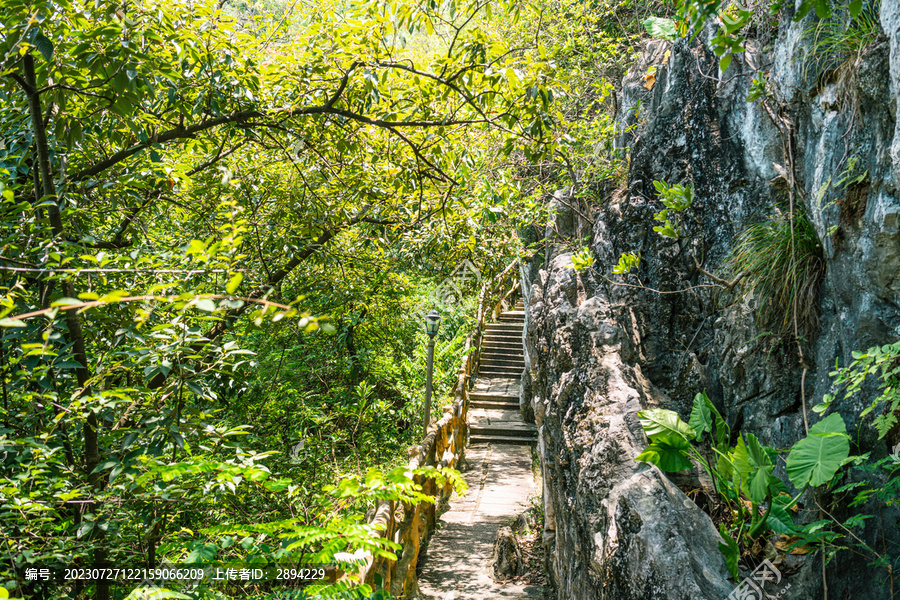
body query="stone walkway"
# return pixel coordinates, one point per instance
(457, 565)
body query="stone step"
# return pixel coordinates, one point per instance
(513, 314)
(502, 328)
(501, 336)
(499, 440)
(504, 429)
(506, 346)
(510, 333)
(503, 361)
(494, 397)
(496, 373)
(512, 404)
(485, 367)
(510, 325)
(501, 345)
(503, 354)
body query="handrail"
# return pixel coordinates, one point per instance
(443, 446)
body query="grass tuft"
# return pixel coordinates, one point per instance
(783, 274)
(838, 41)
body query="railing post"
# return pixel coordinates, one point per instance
(428, 378)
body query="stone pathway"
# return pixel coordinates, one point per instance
(457, 564)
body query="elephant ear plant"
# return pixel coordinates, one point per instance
(744, 471)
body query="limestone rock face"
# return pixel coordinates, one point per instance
(507, 559)
(597, 352)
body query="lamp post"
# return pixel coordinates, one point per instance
(432, 322)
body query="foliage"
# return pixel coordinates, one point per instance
(676, 198)
(745, 469)
(883, 364)
(734, 21)
(835, 43)
(758, 88)
(660, 27)
(627, 262)
(784, 266)
(217, 228)
(816, 458)
(583, 260)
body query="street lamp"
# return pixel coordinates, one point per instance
(432, 322)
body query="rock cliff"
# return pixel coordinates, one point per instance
(597, 351)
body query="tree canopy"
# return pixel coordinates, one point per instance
(210, 216)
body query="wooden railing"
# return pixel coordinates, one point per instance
(443, 446)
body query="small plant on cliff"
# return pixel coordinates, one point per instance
(883, 364)
(675, 198)
(784, 266)
(744, 471)
(627, 262)
(583, 260)
(837, 42)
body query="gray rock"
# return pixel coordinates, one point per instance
(507, 559)
(599, 352)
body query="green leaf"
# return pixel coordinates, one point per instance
(815, 459)
(758, 483)
(855, 8)
(234, 282)
(730, 551)
(84, 529)
(823, 10)
(7, 322)
(106, 464)
(740, 463)
(725, 61)
(202, 552)
(661, 28)
(666, 456)
(44, 46)
(206, 304)
(701, 417)
(758, 455)
(665, 425)
(780, 519)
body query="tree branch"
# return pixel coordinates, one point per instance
(729, 284)
(220, 327)
(166, 136)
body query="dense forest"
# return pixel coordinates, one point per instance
(224, 221)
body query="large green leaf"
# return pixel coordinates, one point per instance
(660, 27)
(741, 467)
(665, 425)
(780, 519)
(758, 482)
(701, 417)
(731, 551)
(815, 459)
(667, 457)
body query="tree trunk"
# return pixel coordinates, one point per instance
(73, 321)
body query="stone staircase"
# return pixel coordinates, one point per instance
(494, 415)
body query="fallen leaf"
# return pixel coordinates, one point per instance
(649, 80)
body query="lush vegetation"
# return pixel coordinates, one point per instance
(221, 227)
(222, 223)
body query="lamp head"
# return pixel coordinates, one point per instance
(432, 322)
